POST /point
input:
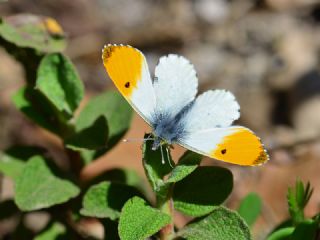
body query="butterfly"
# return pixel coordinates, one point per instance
(168, 103)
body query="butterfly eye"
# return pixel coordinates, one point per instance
(127, 85)
(224, 151)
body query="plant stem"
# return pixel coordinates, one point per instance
(76, 163)
(165, 205)
(1, 180)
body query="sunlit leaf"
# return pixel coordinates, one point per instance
(37, 187)
(58, 80)
(105, 200)
(139, 221)
(221, 224)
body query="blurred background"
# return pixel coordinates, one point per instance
(265, 51)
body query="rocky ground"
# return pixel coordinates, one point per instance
(265, 51)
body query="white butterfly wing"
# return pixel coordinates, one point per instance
(175, 84)
(128, 69)
(214, 108)
(237, 145)
(207, 131)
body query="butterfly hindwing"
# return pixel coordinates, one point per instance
(175, 84)
(214, 108)
(207, 130)
(237, 145)
(128, 69)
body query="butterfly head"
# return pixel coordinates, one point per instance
(158, 142)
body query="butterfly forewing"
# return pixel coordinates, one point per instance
(128, 69)
(175, 84)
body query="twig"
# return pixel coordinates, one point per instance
(76, 163)
(1, 179)
(166, 206)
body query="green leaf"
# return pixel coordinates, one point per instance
(53, 231)
(13, 160)
(139, 221)
(114, 108)
(30, 31)
(124, 176)
(250, 208)
(118, 113)
(93, 137)
(221, 224)
(297, 200)
(59, 81)
(286, 223)
(37, 187)
(186, 165)
(40, 114)
(88, 156)
(282, 234)
(106, 199)
(35, 106)
(154, 167)
(29, 59)
(306, 230)
(199, 193)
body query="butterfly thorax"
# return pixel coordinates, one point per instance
(167, 129)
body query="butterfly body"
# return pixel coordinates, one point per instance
(169, 127)
(168, 103)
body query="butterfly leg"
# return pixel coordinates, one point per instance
(162, 158)
(168, 156)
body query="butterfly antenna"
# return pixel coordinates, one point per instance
(162, 158)
(168, 156)
(137, 139)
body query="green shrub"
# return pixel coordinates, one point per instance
(52, 93)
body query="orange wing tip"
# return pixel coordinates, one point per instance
(110, 48)
(241, 147)
(124, 65)
(262, 158)
(107, 51)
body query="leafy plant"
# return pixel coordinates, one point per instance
(250, 208)
(298, 226)
(117, 198)
(52, 93)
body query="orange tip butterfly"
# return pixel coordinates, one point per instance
(168, 103)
